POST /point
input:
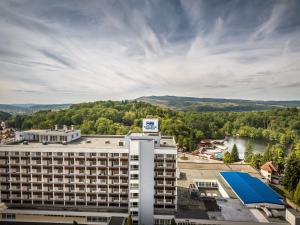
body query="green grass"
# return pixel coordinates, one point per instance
(283, 192)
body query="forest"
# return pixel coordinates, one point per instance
(278, 126)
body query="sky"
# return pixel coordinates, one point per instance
(60, 51)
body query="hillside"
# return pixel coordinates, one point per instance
(4, 116)
(215, 104)
(30, 108)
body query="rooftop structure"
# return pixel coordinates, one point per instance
(252, 191)
(64, 135)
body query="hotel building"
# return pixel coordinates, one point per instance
(61, 176)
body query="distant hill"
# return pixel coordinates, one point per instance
(4, 116)
(31, 108)
(215, 104)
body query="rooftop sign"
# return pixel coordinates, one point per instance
(150, 125)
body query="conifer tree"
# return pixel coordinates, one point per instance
(227, 157)
(249, 152)
(234, 155)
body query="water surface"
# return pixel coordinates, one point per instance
(258, 145)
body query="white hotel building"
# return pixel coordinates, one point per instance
(61, 176)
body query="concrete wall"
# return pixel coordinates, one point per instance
(265, 174)
(292, 216)
(146, 199)
(53, 219)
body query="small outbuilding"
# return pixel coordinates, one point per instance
(270, 171)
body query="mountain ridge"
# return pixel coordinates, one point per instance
(216, 104)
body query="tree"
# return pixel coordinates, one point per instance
(129, 220)
(267, 156)
(297, 150)
(278, 156)
(104, 126)
(297, 193)
(173, 222)
(87, 127)
(291, 172)
(234, 155)
(248, 151)
(227, 157)
(256, 160)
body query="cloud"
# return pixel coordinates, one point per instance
(60, 52)
(56, 58)
(290, 85)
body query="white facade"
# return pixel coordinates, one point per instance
(110, 175)
(48, 136)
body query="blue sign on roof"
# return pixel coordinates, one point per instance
(251, 189)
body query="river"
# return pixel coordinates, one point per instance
(258, 145)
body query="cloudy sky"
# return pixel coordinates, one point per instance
(74, 51)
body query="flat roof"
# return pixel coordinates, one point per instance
(92, 141)
(210, 169)
(250, 189)
(50, 132)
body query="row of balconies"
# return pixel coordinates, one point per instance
(14, 163)
(75, 191)
(61, 154)
(78, 172)
(165, 156)
(165, 192)
(165, 174)
(164, 183)
(78, 155)
(82, 163)
(67, 198)
(165, 165)
(65, 181)
(164, 201)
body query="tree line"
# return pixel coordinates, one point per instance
(278, 126)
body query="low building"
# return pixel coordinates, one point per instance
(270, 171)
(216, 201)
(49, 136)
(252, 191)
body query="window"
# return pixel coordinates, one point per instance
(134, 176)
(134, 204)
(134, 167)
(96, 219)
(8, 216)
(134, 157)
(134, 186)
(134, 195)
(134, 213)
